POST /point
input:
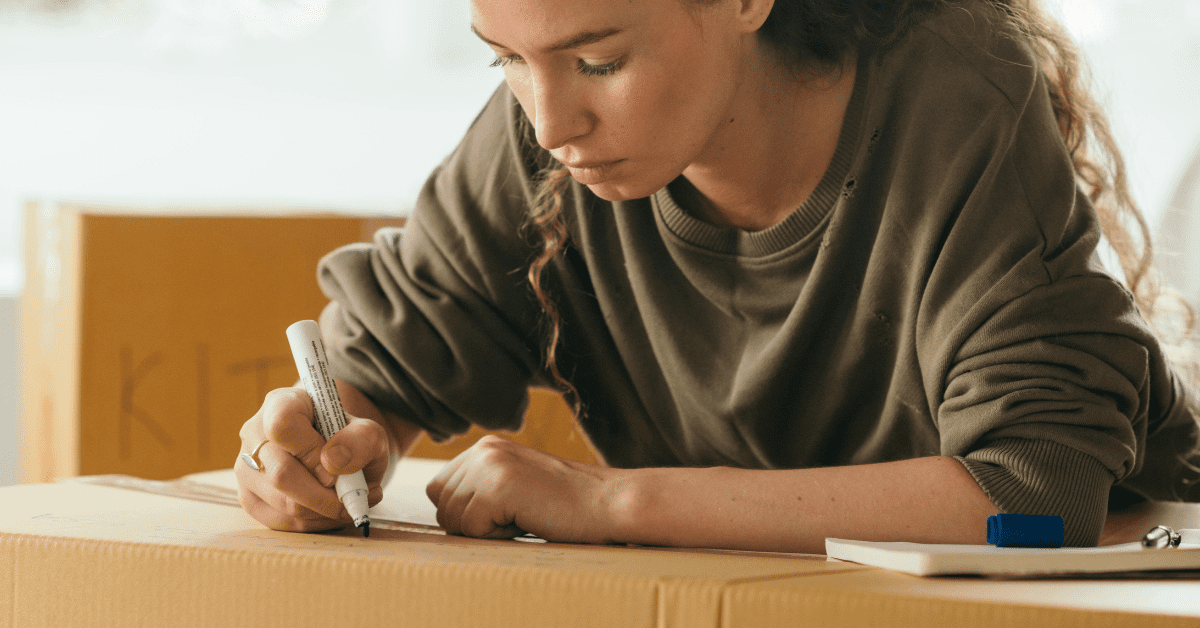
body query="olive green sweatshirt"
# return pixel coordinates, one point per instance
(938, 294)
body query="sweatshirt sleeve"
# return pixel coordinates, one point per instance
(434, 322)
(1043, 379)
(1047, 403)
(1062, 393)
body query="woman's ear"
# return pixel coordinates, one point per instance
(752, 13)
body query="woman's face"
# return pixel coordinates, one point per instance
(625, 93)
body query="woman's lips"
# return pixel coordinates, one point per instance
(591, 173)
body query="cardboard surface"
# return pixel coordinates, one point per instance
(79, 553)
(127, 557)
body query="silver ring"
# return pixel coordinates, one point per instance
(251, 459)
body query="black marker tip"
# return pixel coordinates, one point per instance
(366, 529)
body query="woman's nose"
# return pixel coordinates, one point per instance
(559, 115)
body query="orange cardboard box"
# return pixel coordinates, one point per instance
(149, 338)
(107, 551)
(118, 551)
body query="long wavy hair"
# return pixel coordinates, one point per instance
(820, 34)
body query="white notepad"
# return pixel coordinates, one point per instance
(987, 560)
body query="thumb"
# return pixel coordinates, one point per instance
(360, 446)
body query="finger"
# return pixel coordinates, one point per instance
(295, 488)
(473, 496)
(485, 457)
(265, 514)
(360, 446)
(287, 415)
(437, 485)
(448, 483)
(374, 496)
(276, 511)
(251, 431)
(256, 484)
(447, 515)
(484, 519)
(453, 505)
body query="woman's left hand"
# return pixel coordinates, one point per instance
(500, 489)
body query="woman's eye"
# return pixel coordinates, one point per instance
(583, 67)
(500, 62)
(606, 69)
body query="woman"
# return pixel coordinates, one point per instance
(807, 269)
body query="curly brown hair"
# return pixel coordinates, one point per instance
(820, 34)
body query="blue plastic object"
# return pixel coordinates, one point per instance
(1005, 530)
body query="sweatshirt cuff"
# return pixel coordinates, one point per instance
(1039, 477)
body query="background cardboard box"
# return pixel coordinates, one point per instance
(148, 339)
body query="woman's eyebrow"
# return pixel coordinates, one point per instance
(579, 39)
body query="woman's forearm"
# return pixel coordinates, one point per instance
(932, 500)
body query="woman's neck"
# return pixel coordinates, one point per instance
(767, 160)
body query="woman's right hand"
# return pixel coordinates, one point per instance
(294, 489)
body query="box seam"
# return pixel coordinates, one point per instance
(723, 587)
(727, 588)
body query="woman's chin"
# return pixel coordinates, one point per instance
(614, 191)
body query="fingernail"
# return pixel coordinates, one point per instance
(337, 457)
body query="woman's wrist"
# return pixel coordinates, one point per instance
(653, 506)
(623, 504)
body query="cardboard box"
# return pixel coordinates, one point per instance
(82, 553)
(148, 339)
(75, 554)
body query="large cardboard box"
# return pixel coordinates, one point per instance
(107, 551)
(149, 338)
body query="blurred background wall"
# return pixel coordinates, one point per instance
(346, 105)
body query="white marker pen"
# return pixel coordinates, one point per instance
(328, 415)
